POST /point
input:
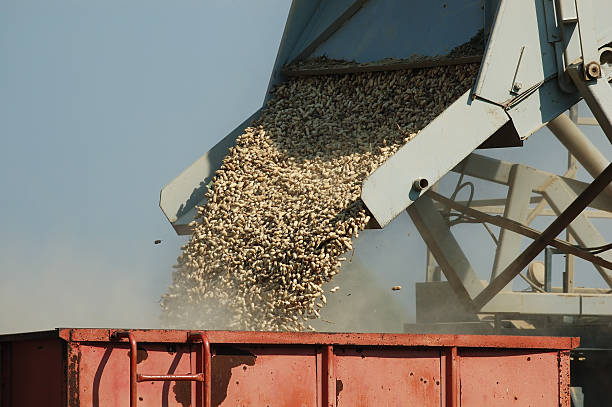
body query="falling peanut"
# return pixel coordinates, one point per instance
(285, 204)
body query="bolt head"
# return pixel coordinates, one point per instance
(593, 70)
(420, 184)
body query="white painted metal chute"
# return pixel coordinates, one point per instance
(364, 31)
(522, 80)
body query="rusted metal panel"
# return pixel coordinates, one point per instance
(509, 378)
(564, 379)
(94, 367)
(105, 335)
(104, 374)
(71, 368)
(315, 338)
(387, 377)
(260, 376)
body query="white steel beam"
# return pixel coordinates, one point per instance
(448, 254)
(517, 209)
(580, 147)
(520, 303)
(498, 171)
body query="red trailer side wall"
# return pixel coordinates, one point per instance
(91, 368)
(33, 373)
(104, 374)
(511, 378)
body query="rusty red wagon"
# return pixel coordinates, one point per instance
(107, 367)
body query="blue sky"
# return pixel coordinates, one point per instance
(101, 104)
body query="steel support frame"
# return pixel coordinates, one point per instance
(497, 206)
(541, 206)
(548, 253)
(564, 219)
(446, 250)
(433, 271)
(559, 198)
(517, 209)
(498, 171)
(502, 172)
(557, 192)
(457, 268)
(518, 304)
(519, 228)
(579, 145)
(570, 262)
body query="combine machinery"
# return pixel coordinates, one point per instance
(540, 59)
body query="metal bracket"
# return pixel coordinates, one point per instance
(588, 39)
(452, 136)
(598, 95)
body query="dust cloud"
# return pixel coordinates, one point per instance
(67, 284)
